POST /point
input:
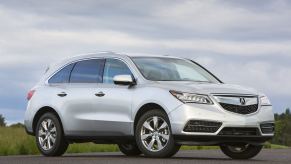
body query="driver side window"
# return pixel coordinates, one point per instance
(112, 68)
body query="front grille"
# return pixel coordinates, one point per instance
(202, 126)
(233, 131)
(242, 104)
(240, 109)
(267, 128)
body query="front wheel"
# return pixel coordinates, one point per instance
(49, 136)
(153, 135)
(243, 151)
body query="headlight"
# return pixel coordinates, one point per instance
(191, 97)
(265, 101)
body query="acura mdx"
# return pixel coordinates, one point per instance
(147, 105)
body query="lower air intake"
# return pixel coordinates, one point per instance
(267, 128)
(202, 126)
(232, 131)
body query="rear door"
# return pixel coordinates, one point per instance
(79, 113)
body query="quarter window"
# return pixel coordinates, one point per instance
(112, 68)
(62, 76)
(87, 71)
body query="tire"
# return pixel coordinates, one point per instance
(44, 138)
(246, 151)
(157, 140)
(130, 149)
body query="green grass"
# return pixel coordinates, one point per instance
(15, 141)
(268, 145)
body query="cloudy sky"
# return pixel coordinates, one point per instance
(243, 42)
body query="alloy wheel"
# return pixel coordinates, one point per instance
(47, 134)
(155, 133)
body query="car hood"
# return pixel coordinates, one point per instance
(206, 88)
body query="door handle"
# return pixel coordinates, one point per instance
(100, 94)
(62, 94)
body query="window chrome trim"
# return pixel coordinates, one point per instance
(71, 62)
(91, 58)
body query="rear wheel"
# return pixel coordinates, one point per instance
(243, 151)
(49, 136)
(129, 149)
(153, 135)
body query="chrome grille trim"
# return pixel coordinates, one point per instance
(241, 104)
(235, 100)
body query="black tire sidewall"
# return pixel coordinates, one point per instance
(171, 147)
(250, 152)
(60, 143)
(133, 150)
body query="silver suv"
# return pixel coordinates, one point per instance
(147, 105)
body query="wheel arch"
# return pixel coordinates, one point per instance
(42, 111)
(143, 109)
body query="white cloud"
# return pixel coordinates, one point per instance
(247, 44)
(232, 47)
(265, 76)
(215, 16)
(51, 44)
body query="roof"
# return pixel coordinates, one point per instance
(112, 54)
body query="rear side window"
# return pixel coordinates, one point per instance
(62, 76)
(87, 71)
(112, 68)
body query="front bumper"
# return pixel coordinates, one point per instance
(218, 140)
(214, 113)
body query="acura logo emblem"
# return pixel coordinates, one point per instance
(242, 101)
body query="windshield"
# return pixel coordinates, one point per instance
(172, 69)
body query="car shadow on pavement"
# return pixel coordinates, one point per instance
(77, 156)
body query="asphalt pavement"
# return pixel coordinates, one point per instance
(183, 157)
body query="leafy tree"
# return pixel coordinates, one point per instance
(277, 116)
(287, 112)
(2, 120)
(283, 128)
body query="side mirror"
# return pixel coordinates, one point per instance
(123, 80)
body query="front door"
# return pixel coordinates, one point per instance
(114, 108)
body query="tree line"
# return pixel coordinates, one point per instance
(283, 128)
(2, 121)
